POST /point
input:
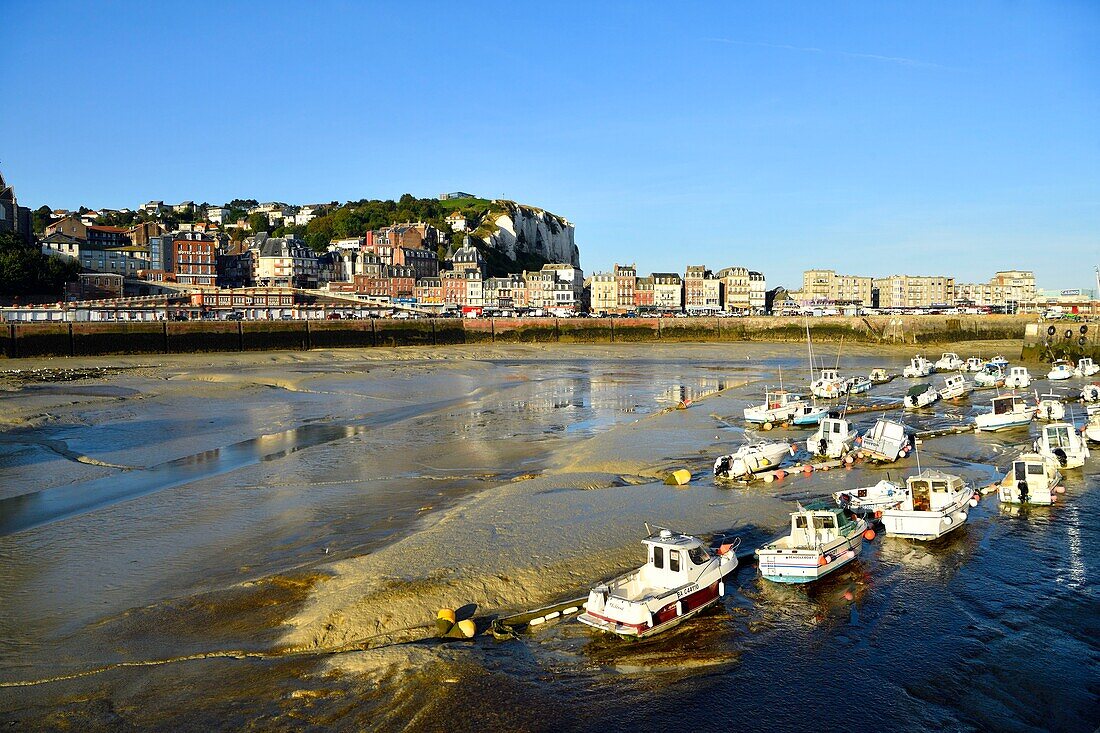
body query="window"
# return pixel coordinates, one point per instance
(658, 557)
(674, 560)
(1035, 469)
(698, 555)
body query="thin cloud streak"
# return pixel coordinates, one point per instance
(899, 60)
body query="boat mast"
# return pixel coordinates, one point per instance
(810, 351)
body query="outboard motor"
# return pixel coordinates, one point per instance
(722, 466)
(1060, 454)
(1024, 493)
(823, 447)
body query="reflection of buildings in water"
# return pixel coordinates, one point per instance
(702, 387)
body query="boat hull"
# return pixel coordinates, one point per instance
(993, 426)
(792, 566)
(671, 614)
(923, 526)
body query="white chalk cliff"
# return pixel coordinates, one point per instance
(512, 228)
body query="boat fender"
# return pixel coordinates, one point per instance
(1052, 330)
(1060, 489)
(1081, 340)
(679, 608)
(767, 426)
(570, 611)
(552, 615)
(1069, 333)
(962, 516)
(1084, 329)
(536, 621)
(721, 589)
(947, 521)
(768, 478)
(973, 502)
(869, 534)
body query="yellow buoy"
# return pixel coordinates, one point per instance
(464, 629)
(679, 477)
(444, 620)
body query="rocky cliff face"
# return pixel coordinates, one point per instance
(514, 229)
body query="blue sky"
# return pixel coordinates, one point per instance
(879, 137)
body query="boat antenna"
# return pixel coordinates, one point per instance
(841, 348)
(809, 349)
(916, 452)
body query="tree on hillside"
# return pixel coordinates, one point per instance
(24, 270)
(41, 218)
(258, 222)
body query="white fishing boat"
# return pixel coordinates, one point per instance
(748, 459)
(1049, 407)
(779, 406)
(974, 364)
(999, 361)
(880, 376)
(1018, 378)
(857, 385)
(885, 441)
(833, 438)
(1060, 443)
(1090, 393)
(920, 395)
(822, 539)
(1060, 369)
(872, 499)
(1008, 411)
(991, 375)
(1031, 480)
(827, 385)
(679, 579)
(1086, 367)
(954, 387)
(810, 414)
(1092, 427)
(936, 504)
(950, 362)
(918, 367)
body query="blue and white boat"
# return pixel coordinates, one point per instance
(1059, 370)
(857, 385)
(823, 539)
(999, 361)
(810, 414)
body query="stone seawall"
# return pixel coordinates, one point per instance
(88, 339)
(1045, 342)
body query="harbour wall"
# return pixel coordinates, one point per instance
(164, 337)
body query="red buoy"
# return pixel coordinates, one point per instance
(869, 534)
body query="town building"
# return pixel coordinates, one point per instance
(827, 287)
(736, 289)
(217, 214)
(668, 292)
(504, 292)
(428, 291)
(626, 281)
(284, 262)
(603, 296)
(644, 294)
(455, 195)
(913, 291)
(457, 221)
(94, 286)
(563, 286)
(467, 259)
(758, 292)
(194, 259)
(703, 291)
(13, 217)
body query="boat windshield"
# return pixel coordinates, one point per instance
(1058, 437)
(698, 555)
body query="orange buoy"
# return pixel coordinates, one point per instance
(848, 595)
(794, 448)
(807, 469)
(822, 560)
(869, 534)
(824, 466)
(767, 426)
(849, 460)
(878, 514)
(1060, 489)
(781, 474)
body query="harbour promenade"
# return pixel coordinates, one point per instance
(20, 340)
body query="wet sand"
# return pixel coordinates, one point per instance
(281, 505)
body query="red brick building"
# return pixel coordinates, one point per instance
(194, 260)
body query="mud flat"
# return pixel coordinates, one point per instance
(295, 503)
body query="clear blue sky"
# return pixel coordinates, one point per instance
(877, 137)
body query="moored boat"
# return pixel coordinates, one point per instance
(1018, 378)
(974, 364)
(1090, 393)
(857, 385)
(833, 438)
(999, 361)
(920, 395)
(1031, 480)
(950, 362)
(1086, 367)
(991, 375)
(753, 457)
(872, 499)
(954, 387)
(1059, 370)
(822, 539)
(1059, 442)
(936, 504)
(880, 376)
(810, 414)
(885, 441)
(679, 579)
(918, 367)
(1049, 407)
(828, 384)
(779, 406)
(1008, 411)
(1092, 427)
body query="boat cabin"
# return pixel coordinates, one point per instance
(950, 356)
(1019, 372)
(673, 560)
(955, 381)
(818, 523)
(1057, 435)
(1008, 404)
(932, 491)
(828, 375)
(993, 370)
(780, 398)
(878, 374)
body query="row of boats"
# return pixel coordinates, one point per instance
(682, 575)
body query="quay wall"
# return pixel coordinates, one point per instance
(86, 339)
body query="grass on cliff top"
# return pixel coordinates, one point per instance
(462, 204)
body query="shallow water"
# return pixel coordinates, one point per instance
(321, 480)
